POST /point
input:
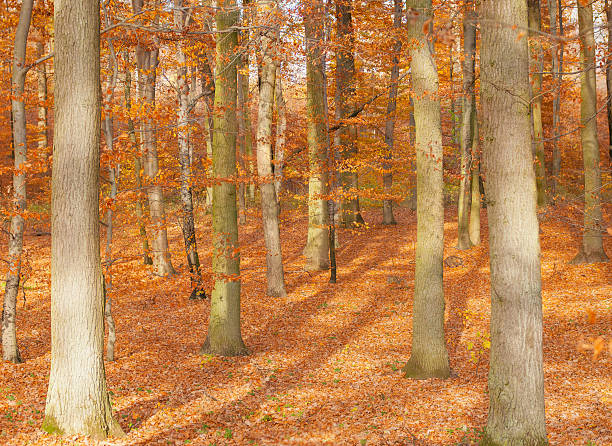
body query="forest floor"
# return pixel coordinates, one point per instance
(324, 363)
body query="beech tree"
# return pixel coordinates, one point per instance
(516, 379)
(429, 356)
(77, 397)
(592, 249)
(224, 337)
(10, 350)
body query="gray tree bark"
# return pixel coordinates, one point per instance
(267, 13)
(317, 245)
(592, 250)
(224, 337)
(41, 80)
(281, 130)
(388, 218)
(556, 58)
(468, 118)
(474, 225)
(10, 350)
(516, 380)
(429, 356)
(77, 397)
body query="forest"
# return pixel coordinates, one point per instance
(306, 222)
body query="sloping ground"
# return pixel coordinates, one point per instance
(324, 363)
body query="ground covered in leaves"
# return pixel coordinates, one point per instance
(324, 363)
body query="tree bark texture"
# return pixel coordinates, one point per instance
(516, 380)
(388, 218)
(281, 134)
(10, 350)
(41, 81)
(474, 225)
(429, 356)
(317, 245)
(224, 337)
(468, 118)
(557, 46)
(77, 397)
(592, 250)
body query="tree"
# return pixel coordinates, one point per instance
(474, 225)
(468, 119)
(557, 68)
(429, 357)
(269, 204)
(186, 102)
(317, 245)
(592, 249)
(281, 130)
(388, 218)
(224, 337)
(77, 397)
(10, 350)
(537, 66)
(147, 60)
(345, 99)
(608, 8)
(516, 380)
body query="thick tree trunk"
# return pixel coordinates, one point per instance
(10, 350)
(592, 250)
(77, 398)
(557, 46)
(147, 60)
(516, 380)
(269, 203)
(41, 80)
(412, 199)
(474, 225)
(468, 118)
(608, 8)
(537, 66)
(317, 245)
(224, 337)
(429, 357)
(388, 218)
(281, 137)
(183, 116)
(345, 97)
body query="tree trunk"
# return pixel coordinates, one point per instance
(317, 246)
(429, 358)
(557, 46)
(248, 139)
(412, 199)
(43, 142)
(269, 203)
(281, 138)
(345, 86)
(147, 60)
(516, 381)
(592, 250)
(609, 76)
(146, 258)
(242, 142)
(474, 225)
(468, 112)
(224, 337)
(184, 112)
(537, 66)
(77, 397)
(388, 218)
(10, 350)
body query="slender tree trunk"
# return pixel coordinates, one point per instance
(468, 118)
(592, 250)
(537, 66)
(474, 226)
(317, 246)
(10, 350)
(516, 381)
(556, 161)
(269, 203)
(41, 80)
(388, 218)
(248, 139)
(146, 258)
(281, 138)
(147, 60)
(208, 91)
(345, 86)
(184, 112)
(608, 8)
(224, 337)
(242, 137)
(77, 397)
(556, 70)
(429, 357)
